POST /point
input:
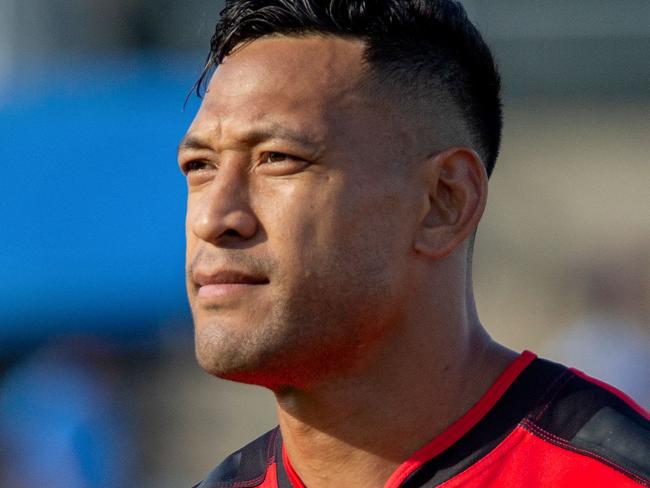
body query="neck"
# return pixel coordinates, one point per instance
(357, 429)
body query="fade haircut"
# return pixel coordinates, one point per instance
(425, 46)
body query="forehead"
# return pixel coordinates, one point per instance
(328, 63)
(310, 81)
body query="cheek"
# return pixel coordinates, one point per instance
(373, 238)
(334, 227)
(369, 214)
(289, 210)
(338, 224)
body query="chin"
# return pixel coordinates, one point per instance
(272, 363)
(249, 373)
(243, 354)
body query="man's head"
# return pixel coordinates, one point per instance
(333, 168)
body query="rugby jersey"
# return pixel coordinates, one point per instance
(539, 425)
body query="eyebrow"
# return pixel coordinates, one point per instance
(192, 142)
(254, 136)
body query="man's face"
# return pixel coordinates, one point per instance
(300, 217)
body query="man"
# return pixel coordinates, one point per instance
(337, 171)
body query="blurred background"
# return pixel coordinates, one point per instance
(98, 384)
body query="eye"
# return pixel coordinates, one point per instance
(278, 157)
(194, 166)
(279, 164)
(198, 172)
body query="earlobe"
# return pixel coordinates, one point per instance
(456, 185)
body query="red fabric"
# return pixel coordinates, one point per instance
(271, 478)
(526, 460)
(631, 403)
(295, 480)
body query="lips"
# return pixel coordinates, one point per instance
(225, 283)
(228, 277)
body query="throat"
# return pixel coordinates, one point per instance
(359, 433)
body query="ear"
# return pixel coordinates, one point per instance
(456, 183)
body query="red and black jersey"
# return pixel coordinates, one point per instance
(539, 425)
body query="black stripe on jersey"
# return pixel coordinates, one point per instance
(531, 388)
(245, 468)
(589, 419)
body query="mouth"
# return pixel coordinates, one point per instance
(226, 283)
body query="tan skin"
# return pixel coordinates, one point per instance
(327, 241)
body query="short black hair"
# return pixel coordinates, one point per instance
(428, 44)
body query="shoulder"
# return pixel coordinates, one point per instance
(590, 418)
(245, 467)
(555, 427)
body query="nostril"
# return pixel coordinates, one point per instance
(232, 233)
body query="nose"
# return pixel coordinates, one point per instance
(221, 214)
